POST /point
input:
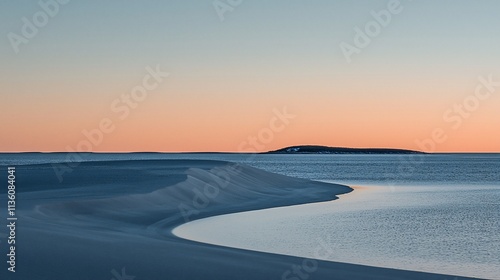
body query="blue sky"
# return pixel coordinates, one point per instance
(262, 53)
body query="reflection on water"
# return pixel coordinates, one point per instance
(435, 229)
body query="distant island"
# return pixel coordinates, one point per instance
(310, 149)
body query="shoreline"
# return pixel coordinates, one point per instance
(124, 217)
(229, 231)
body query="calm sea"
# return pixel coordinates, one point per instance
(436, 213)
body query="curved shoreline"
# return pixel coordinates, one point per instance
(81, 229)
(234, 231)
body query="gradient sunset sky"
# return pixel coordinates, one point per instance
(227, 78)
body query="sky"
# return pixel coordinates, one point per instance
(249, 75)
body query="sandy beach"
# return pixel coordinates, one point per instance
(113, 219)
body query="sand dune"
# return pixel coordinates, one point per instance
(109, 216)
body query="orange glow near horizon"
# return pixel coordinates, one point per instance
(429, 85)
(229, 124)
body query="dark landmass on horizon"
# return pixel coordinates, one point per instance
(303, 149)
(310, 149)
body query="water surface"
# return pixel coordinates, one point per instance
(436, 213)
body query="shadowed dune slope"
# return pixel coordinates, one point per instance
(105, 216)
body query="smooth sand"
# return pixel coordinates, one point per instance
(106, 216)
